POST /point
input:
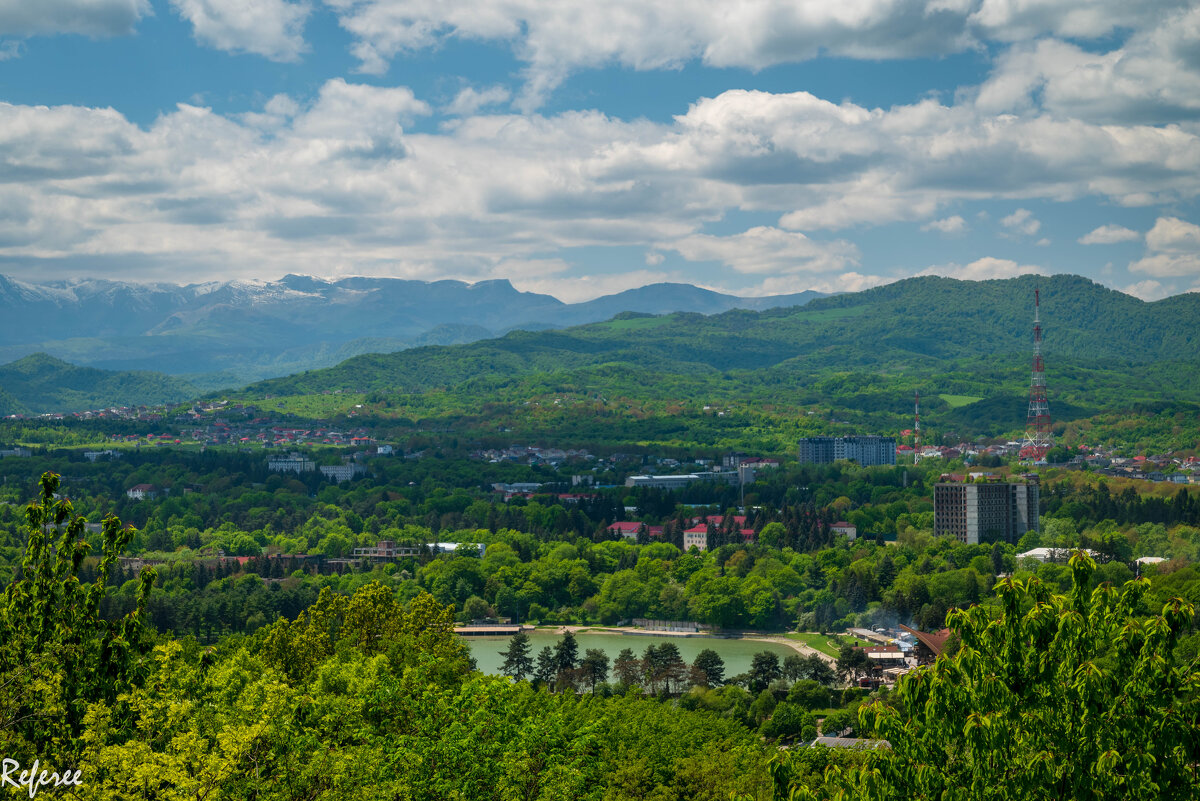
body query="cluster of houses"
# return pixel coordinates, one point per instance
(523, 454)
(696, 535)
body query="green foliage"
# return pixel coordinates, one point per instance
(59, 654)
(1057, 697)
(40, 383)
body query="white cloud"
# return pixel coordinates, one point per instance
(1022, 222)
(984, 269)
(339, 183)
(470, 100)
(270, 28)
(1173, 249)
(766, 250)
(1109, 235)
(1147, 290)
(1154, 77)
(87, 17)
(948, 225)
(577, 288)
(555, 39)
(654, 258)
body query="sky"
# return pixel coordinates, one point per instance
(583, 147)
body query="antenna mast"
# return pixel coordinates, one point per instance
(917, 429)
(1038, 439)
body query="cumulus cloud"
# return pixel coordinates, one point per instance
(270, 28)
(1147, 290)
(87, 17)
(555, 39)
(1173, 249)
(947, 225)
(1022, 222)
(470, 100)
(767, 250)
(340, 182)
(1154, 76)
(984, 269)
(1109, 235)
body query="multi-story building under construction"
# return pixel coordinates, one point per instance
(976, 511)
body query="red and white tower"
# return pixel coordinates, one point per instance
(1038, 439)
(917, 428)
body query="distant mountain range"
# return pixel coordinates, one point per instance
(226, 334)
(866, 350)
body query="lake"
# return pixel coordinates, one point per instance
(737, 654)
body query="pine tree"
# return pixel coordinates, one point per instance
(517, 661)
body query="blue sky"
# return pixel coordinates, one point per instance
(582, 148)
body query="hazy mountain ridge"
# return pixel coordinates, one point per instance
(38, 384)
(232, 332)
(920, 324)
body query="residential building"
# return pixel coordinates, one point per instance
(142, 492)
(386, 551)
(696, 536)
(18, 453)
(342, 472)
(842, 527)
(292, 463)
(679, 481)
(866, 450)
(985, 511)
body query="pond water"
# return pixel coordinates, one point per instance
(737, 654)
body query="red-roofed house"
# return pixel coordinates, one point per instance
(626, 529)
(142, 492)
(696, 536)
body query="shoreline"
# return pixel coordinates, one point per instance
(798, 647)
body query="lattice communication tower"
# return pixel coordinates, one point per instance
(1038, 439)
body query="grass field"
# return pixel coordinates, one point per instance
(824, 643)
(959, 400)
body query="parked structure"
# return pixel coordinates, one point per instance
(866, 450)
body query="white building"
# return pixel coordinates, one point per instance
(292, 463)
(342, 472)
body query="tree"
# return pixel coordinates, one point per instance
(853, 662)
(709, 668)
(789, 721)
(594, 667)
(673, 668)
(59, 654)
(475, 608)
(1079, 697)
(566, 654)
(517, 661)
(764, 669)
(627, 667)
(808, 695)
(547, 667)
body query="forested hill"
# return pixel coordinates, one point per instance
(41, 383)
(919, 324)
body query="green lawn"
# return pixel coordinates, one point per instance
(959, 400)
(822, 642)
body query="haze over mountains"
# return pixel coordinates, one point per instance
(227, 334)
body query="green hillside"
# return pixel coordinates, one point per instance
(41, 383)
(852, 360)
(920, 325)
